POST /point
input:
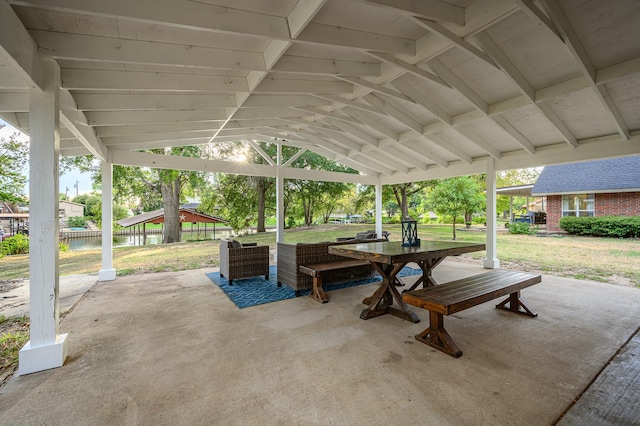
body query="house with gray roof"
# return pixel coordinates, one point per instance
(596, 188)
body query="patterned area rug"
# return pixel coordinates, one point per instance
(253, 291)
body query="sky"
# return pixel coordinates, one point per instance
(68, 180)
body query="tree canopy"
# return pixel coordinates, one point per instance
(455, 197)
(14, 155)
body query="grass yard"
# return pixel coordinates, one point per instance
(615, 261)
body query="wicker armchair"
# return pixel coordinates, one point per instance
(243, 260)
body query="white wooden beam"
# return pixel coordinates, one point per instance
(79, 79)
(376, 88)
(93, 48)
(122, 101)
(418, 97)
(449, 147)
(359, 105)
(372, 122)
(449, 36)
(457, 84)
(346, 37)
(408, 67)
(477, 140)
(295, 156)
(331, 114)
(260, 151)
(515, 134)
(429, 9)
(111, 118)
(77, 123)
(301, 15)
(292, 86)
(257, 100)
(321, 66)
(572, 42)
(558, 124)
(630, 68)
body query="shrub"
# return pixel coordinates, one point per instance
(521, 228)
(18, 244)
(603, 226)
(77, 222)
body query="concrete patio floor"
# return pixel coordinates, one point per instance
(171, 348)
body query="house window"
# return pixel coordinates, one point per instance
(577, 205)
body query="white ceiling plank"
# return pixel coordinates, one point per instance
(449, 36)
(157, 136)
(259, 113)
(141, 129)
(354, 131)
(457, 84)
(430, 9)
(14, 102)
(408, 67)
(193, 15)
(331, 114)
(448, 146)
(558, 124)
(78, 79)
(630, 68)
(85, 47)
(537, 15)
(563, 88)
(523, 141)
(372, 122)
(394, 112)
(120, 101)
(301, 15)
(300, 64)
(256, 101)
(507, 67)
(421, 99)
(376, 87)
(111, 118)
(77, 123)
(281, 85)
(18, 49)
(572, 42)
(346, 37)
(359, 105)
(341, 139)
(476, 139)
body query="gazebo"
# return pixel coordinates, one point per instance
(399, 90)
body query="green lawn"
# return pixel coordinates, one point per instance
(601, 259)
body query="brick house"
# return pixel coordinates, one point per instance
(595, 188)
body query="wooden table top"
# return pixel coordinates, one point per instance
(391, 252)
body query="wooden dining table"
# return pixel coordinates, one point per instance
(389, 257)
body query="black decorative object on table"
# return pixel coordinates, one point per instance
(410, 233)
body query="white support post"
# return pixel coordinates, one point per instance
(379, 209)
(46, 348)
(279, 199)
(491, 261)
(107, 273)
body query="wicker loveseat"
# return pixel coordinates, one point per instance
(291, 256)
(243, 260)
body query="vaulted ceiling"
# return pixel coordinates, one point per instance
(400, 90)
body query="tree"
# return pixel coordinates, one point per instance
(403, 192)
(14, 154)
(455, 197)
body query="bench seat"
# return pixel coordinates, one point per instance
(318, 269)
(458, 295)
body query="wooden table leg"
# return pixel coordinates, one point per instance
(382, 299)
(437, 337)
(426, 279)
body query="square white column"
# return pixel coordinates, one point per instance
(46, 347)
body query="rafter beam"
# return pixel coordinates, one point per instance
(452, 38)
(376, 87)
(93, 48)
(76, 122)
(260, 151)
(449, 147)
(429, 9)
(408, 67)
(18, 49)
(477, 140)
(306, 65)
(121, 101)
(301, 15)
(572, 42)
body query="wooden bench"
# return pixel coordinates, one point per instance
(317, 270)
(455, 296)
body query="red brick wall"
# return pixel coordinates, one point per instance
(608, 204)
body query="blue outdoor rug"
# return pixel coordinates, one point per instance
(246, 292)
